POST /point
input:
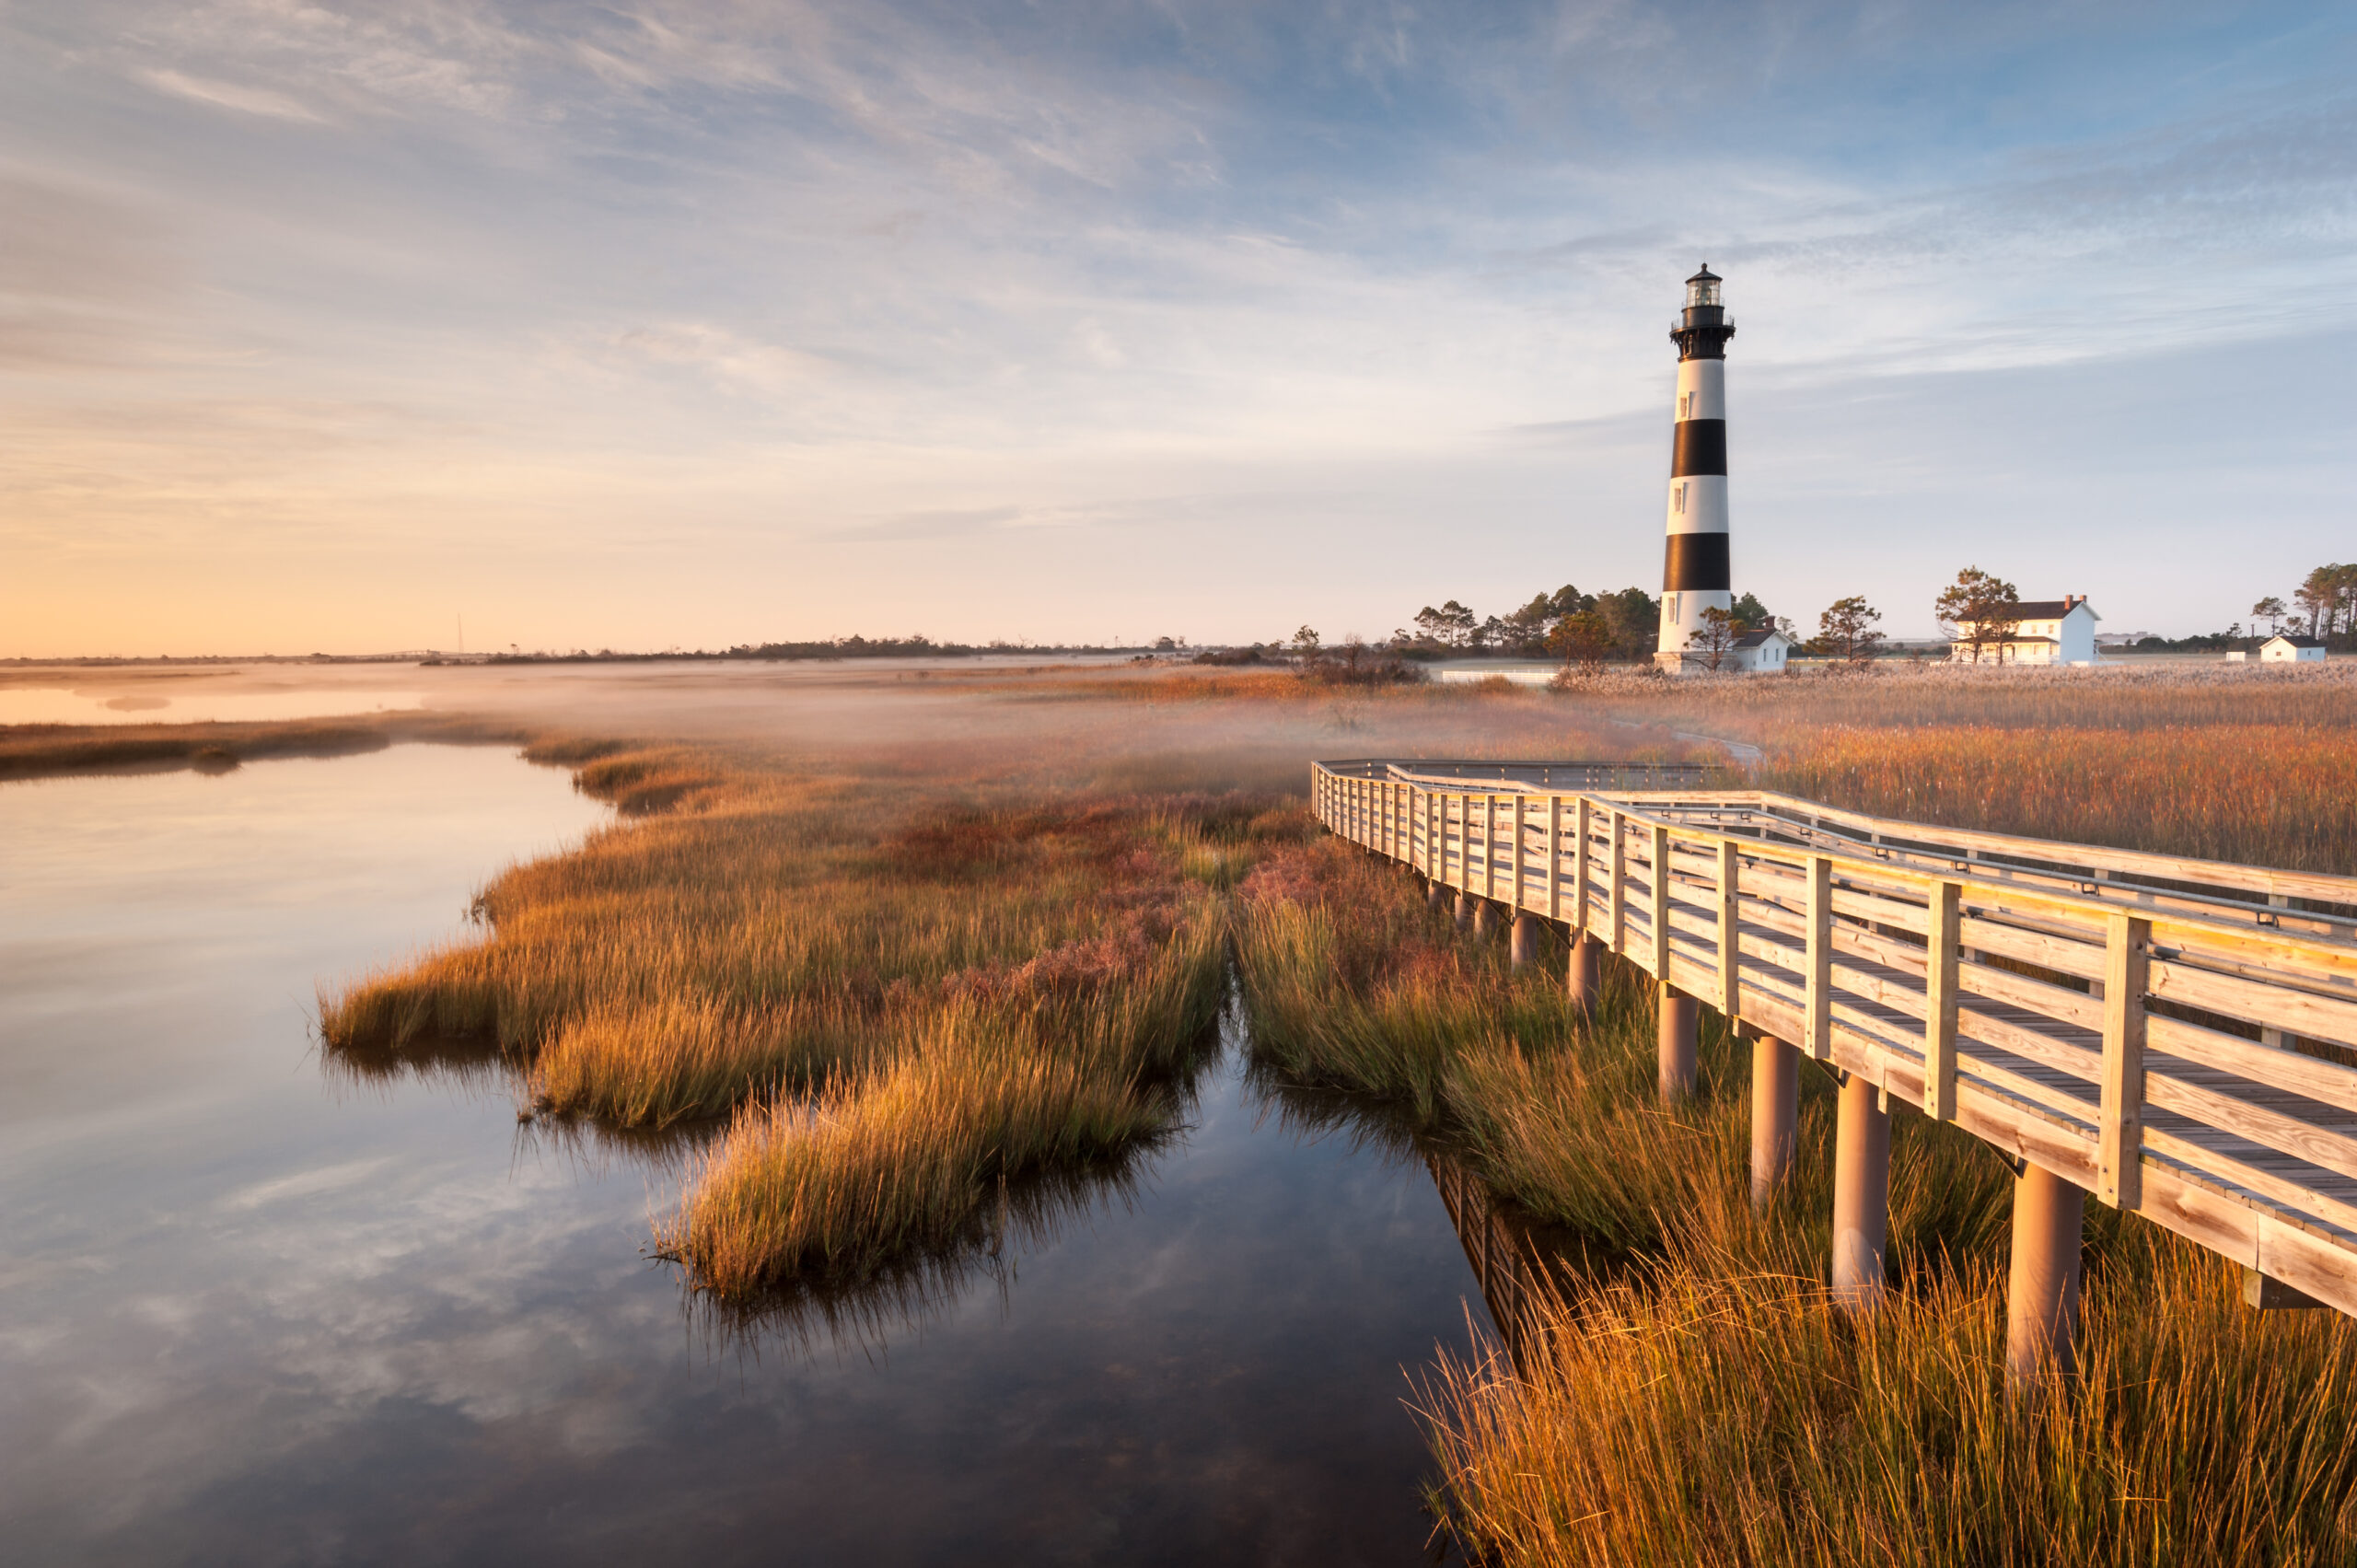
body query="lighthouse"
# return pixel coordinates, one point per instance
(1695, 575)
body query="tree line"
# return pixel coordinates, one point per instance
(2326, 601)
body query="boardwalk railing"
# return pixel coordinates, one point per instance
(2171, 1035)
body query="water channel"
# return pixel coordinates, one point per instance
(253, 1311)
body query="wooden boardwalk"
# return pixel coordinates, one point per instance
(2170, 1035)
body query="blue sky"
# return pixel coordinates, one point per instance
(322, 324)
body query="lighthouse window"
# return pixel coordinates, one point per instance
(1686, 406)
(1681, 500)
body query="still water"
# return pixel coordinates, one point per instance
(252, 1312)
(191, 701)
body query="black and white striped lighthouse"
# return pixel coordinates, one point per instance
(1695, 574)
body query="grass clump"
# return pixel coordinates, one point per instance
(840, 1185)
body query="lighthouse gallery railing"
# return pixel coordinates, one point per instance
(2167, 1033)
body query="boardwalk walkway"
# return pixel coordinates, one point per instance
(2172, 1036)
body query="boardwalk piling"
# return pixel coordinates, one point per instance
(1436, 895)
(1466, 904)
(1485, 917)
(1861, 1195)
(1680, 1015)
(1523, 948)
(2042, 1289)
(1775, 1097)
(1587, 974)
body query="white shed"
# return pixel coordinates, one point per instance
(2284, 648)
(1760, 653)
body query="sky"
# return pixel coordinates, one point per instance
(340, 326)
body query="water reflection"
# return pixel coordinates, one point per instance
(252, 1312)
(186, 699)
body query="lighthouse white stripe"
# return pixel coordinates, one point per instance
(1702, 388)
(1706, 504)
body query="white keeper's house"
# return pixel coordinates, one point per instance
(2048, 631)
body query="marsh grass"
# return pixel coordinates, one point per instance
(1691, 1396)
(2263, 793)
(904, 1161)
(901, 993)
(52, 750)
(1705, 1414)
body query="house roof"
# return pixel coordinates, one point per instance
(1754, 639)
(2049, 608)
(2295, 642)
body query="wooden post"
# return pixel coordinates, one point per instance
(1730, 939)
(1775, 1100)
(1861, 1195)
(1940, 1002)
(1488, 846)
(1583, 826)
(2127, 971)
(2042, 1284)
(1618, 860)
(1520, 803)
(1674, 1050)
(1521, 948)
(1485, 916)
(2268, 1036)
(1819, 1043)
(1660, 906)
(1467, 908)
(1554, 857)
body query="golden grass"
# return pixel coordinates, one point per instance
(903, 997)
(1703, 1415)
(2273, 795)
(905, 1159)
(51, 750)
(1693, 1397)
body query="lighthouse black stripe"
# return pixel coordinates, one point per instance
(1701, 448)
(1696, 561)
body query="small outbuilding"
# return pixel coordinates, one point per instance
(2284, 648)
(1760, 653)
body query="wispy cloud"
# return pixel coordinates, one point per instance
(827, 273)
(227, 94)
